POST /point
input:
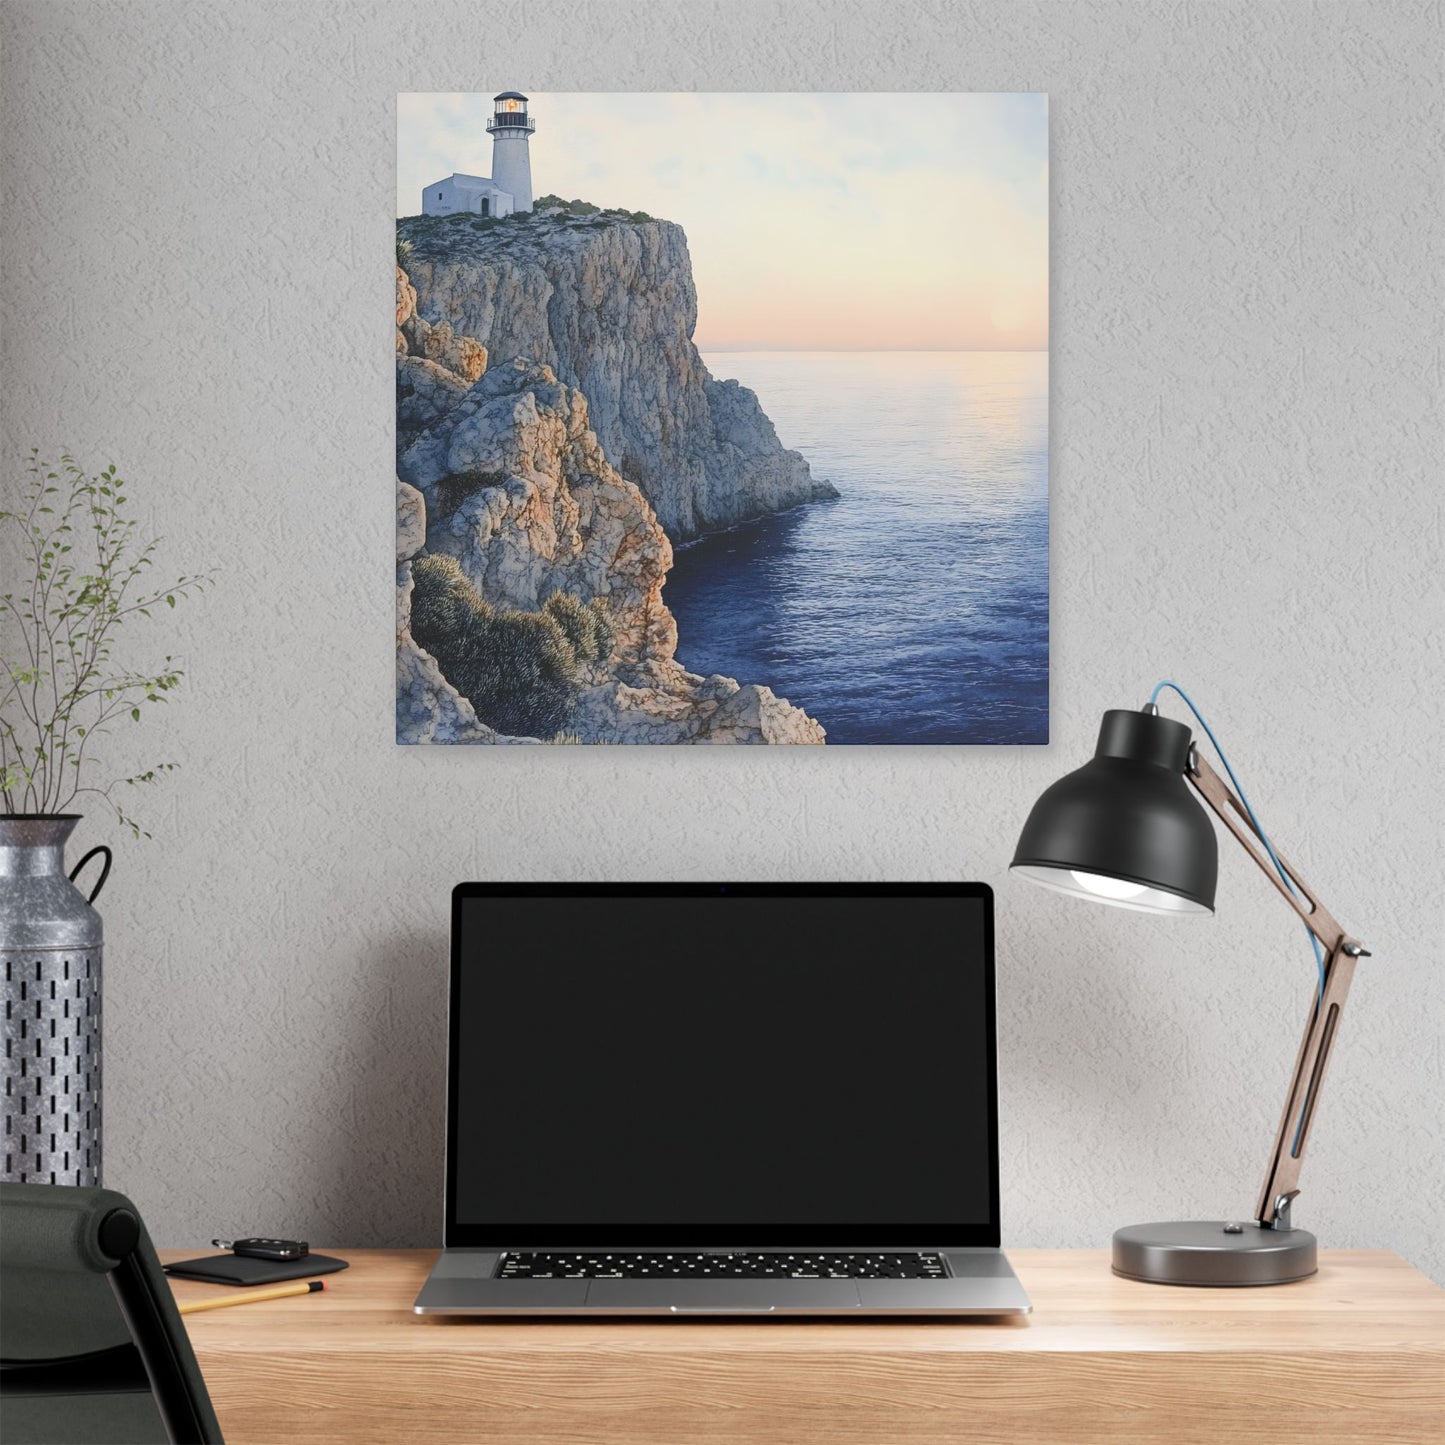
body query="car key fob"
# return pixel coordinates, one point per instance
(280, 1249)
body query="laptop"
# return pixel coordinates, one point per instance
(690, 1100)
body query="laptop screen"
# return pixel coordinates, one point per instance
(722, 1066)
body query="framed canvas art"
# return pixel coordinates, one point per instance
(722, 418)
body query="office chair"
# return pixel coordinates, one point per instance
(92, 1348)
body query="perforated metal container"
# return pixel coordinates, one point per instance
(50, 949)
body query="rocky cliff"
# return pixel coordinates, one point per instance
(428, 708)
(609, 305)
(506, 500)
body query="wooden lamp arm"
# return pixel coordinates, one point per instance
(1281, 1183)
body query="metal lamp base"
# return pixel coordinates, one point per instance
(1221, 1254)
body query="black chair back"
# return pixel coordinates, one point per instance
(92, 1348)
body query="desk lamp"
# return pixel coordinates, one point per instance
(1125, 829)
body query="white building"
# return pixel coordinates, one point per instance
(509, 187)
(479, 195)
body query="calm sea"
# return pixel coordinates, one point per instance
(915, 608)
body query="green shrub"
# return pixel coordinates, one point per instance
(452, 491)
(443, 604)
(519, 670)
(584, 624)
(403, 252)
(485, 223)
(526, 674)
(576, 208)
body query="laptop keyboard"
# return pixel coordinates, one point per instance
(685, 1265)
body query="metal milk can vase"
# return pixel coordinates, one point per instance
(50, 946)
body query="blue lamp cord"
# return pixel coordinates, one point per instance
(1268, 848)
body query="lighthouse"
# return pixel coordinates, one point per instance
(511, 130)
(509, 187)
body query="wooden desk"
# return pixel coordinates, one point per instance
(1356, 1354)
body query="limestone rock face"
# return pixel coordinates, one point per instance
(514, 484)
(425, 392)
(463, 355)
(405, 298)
(609, 305)
(434, 366)
(410, 523)
(694, 709)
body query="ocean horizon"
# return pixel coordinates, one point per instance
(912, 608)
(706, 351)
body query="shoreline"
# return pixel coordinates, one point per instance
(749, 522)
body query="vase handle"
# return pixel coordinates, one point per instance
(104, 872)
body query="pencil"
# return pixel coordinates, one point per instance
(281, 1291)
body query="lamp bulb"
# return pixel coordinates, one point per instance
(1105, 887)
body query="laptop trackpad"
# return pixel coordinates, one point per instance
(700, 1296)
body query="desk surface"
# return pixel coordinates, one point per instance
(1356, 1354)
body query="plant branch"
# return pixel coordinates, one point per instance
(64, 691)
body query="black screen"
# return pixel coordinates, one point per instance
(725, 1066)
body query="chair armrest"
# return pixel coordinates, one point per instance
(89, 1230)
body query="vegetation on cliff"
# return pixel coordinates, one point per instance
(546, 211)
(521, 671)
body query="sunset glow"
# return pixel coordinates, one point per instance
(815, 222)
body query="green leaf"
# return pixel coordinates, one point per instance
(135, 714)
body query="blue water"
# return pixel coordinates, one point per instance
(915, 607)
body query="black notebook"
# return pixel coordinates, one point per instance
(243, 1269)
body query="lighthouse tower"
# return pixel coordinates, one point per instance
(511, 128)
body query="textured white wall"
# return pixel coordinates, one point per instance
(1246, 435)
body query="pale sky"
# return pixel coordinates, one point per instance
(815, 222)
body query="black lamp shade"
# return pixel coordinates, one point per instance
(1125, 828)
